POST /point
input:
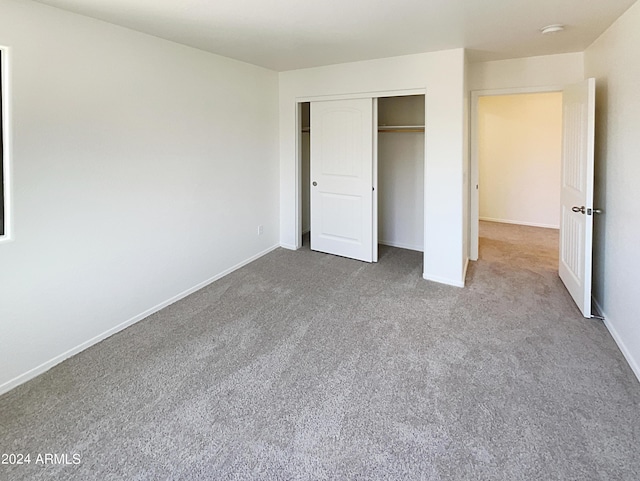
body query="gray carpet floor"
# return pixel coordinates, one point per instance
(305, 366)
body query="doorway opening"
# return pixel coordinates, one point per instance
(576, 209)
(398, 171)
(516, 163)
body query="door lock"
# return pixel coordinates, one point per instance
(578, 209)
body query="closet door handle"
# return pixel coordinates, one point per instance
(315, 183)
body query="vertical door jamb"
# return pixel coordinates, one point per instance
(375, 180)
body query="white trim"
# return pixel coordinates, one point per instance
(517, 222)
(364, 95)
(290, 247)
(443, 280)
(633, 363)
(374, 182)
(400, 245)
(7, 146)
(518, 90)
(22, 378)
(474, 169)
(464, 271)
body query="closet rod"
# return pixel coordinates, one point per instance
(401, 128)
(382, 128)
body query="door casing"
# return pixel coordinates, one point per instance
(474, 167)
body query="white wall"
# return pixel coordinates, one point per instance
(142, 168)
(519, 152)
(614, 60)
(401, 174)
(543, 71)
(442, 75)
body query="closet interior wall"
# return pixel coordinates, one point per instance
(305, 154)
(401, 171)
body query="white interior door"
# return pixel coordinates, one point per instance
(576, 215)
(342, 178)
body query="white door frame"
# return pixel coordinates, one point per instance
(474, 168)
(7, 148)
(298, 148)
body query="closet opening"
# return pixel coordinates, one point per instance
(401, 143)
(305, 171)
(398, 133)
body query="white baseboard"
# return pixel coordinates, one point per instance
(633, 363)
(400, 245)
(517, 222)
(442, 280)
(290, 247)
(22, 378)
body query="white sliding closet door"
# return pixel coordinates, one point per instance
(342, 178)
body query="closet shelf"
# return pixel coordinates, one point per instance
(401, 128)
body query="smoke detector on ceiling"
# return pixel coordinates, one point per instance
(555, 28)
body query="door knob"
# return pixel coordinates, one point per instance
(578, 209)
(315, 183)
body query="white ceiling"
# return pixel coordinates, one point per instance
(291, 34)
